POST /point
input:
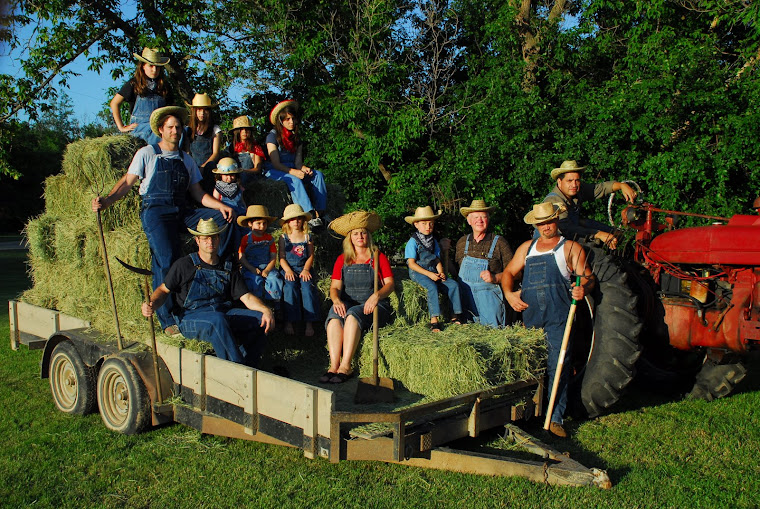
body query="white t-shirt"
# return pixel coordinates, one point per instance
(144, 165)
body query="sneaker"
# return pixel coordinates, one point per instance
(172, 330)
(315, 223)
(556, 429)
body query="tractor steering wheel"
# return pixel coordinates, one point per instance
(610, 215)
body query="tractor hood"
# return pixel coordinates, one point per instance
(735, 243)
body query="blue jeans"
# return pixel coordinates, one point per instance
(431, 287)
(298, 189)
(220, 328)
(300, 295)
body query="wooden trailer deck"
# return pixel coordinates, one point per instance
(219, 397)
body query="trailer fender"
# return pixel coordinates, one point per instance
(89, 347)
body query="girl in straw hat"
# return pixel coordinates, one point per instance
(244, 144)
(258, 254)
(285, 163)
(423, 256)
(203, 138)
(296, 261)
(352, 292)
(146, 92)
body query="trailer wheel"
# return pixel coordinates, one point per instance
(605, 362)
(717, 380)
(72, 382)
(122, 397)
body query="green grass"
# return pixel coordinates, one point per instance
(658, 454)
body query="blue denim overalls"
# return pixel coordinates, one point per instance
(257, 254)
(358, 286)
(164, 216)
(201, 149)
(143, 107)
(547, 294)
(484, 301)
(208, 316)
(296, 186)
(575, 226)
(299, 294)
(428, 261)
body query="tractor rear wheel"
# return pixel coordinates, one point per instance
(72, 382)
(605, 360)
(122, 397)
(716, 380)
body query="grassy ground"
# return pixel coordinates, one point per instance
(658, 453)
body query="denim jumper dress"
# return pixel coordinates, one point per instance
(358, 285)
(143, 107)
(296, 186)
(484, 301)
(201, 149)
(207, 315)
(299, 294)
(257, 254)
(547, 293)
(164, 215)
(428, 261)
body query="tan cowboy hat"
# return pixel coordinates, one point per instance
(207, 228)
(423, 214)
(278, 108)
(158, 116)
(293, 211)
(201, 101)
(227, 166)
(255, 212)
(152, 56)
(241, 122)
(543, 212)
(566, 167)
(356, 219)
(476, 206)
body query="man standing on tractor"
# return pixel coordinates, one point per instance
(549, 263)
(571, 193)
(204, 287)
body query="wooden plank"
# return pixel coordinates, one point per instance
(251, 406)
(13, 317)
(66, 322)
(325, 406)
(171, 356)
(227, 381)
(35, 320)
(282, 398)
(310, 428)
(191, 373)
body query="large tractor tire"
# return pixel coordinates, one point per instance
(122, 397)
(72, 382)
(610, 354)
(717, 380)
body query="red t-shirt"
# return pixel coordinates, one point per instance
(265, 237)
(383, 271)
(252, 147)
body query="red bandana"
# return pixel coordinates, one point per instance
(289, 140)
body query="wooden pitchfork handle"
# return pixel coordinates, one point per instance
(375, 322)
(561, 360)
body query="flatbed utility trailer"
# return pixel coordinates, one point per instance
(218, 397)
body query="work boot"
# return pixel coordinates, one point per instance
(556, 429)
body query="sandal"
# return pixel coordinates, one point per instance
(455, 320)
(339, 378)
(435, 327)
(326, 377)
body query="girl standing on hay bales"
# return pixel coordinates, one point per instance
(229, 191)
(352, 292)
(285, 163)
(250, 155)
(423, 256)
(146, 91)
(203, 138)
(296, 260)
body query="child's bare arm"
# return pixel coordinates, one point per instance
(245, 263)
(270, 265)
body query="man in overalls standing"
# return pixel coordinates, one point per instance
(166, 175)
(481, 257)
(548, 263)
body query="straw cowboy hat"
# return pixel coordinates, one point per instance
(566, 167)
(201, 101)
(157, 117)
(207, 227)
(356, 219)
(227, 166)
(279, 107)
(255, 212)
(241, 122)
(423, 214)
(476, 206)
(152, 56)
(293, 211)
(543, 212)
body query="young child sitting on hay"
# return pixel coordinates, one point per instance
(258, 253)
(423, 256)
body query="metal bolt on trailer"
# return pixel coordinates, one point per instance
(222, 398)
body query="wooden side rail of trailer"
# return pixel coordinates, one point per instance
(214, 396)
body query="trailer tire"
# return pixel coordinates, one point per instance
(717, 380)
(611, 359)
(122, 397)
(72, 382)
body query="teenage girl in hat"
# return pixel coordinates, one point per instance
(203, 138)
